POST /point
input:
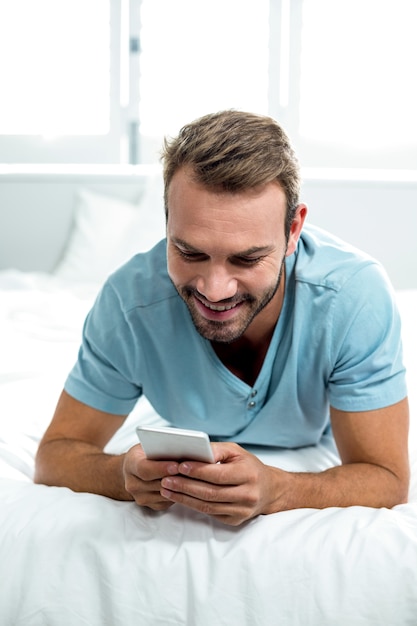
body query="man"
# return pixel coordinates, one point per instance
(248, 326)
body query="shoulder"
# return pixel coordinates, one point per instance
(141, 282)
(324, 260)
(344, 304)
(341, 286)
(141, 285)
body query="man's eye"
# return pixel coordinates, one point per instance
(243, 260)
(190, 256)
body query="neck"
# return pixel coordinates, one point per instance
(245, 356)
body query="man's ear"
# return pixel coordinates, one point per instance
(296, 228)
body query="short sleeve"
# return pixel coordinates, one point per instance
(368, 370)
(103, 374)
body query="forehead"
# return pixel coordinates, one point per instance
(197, 212)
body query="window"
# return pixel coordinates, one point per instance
(103, 81)
(59, 98)
(199, 57)
(352, 95)
(58, 82)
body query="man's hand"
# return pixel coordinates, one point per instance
(235, 489)
(374, 472)
(143, 478)
(373, 447)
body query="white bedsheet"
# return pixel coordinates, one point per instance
(73, 559)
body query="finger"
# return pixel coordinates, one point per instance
(155, 470)
(235, 466)
(200, 490)
(148, 493)
(226, 452)
(227, 512)
(163, 505)
(158, 503)
(209, 473)
(147, 469)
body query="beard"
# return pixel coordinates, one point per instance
(229, 330)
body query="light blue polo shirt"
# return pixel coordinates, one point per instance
(337, 342)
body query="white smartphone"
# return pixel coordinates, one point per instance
(178, 444)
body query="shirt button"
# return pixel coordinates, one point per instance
(251, 404)
(254, 392)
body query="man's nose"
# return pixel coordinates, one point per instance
(216, 283)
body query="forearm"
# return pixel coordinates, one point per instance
(82, 467)
(356, 484)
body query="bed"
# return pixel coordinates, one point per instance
(73, 559)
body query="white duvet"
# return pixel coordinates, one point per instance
(74, 559)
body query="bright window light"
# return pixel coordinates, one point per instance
(200, 57)
(358, 86)
(54, 67)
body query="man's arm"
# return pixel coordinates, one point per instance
(375, 443)
(373, 447)
(71, 455)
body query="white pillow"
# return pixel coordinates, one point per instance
(108, 231)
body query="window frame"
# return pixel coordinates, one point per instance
(122, 144)
(321, 159)
(78, 148)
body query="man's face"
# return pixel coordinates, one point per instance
(225, 256)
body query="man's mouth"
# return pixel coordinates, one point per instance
(220, 312)
(217, 307)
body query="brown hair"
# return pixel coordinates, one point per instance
(235, 151)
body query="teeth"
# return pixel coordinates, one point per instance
(220, 308)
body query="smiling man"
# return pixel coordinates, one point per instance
(239, 291)
(248, 325)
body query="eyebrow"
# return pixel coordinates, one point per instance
(248, 252)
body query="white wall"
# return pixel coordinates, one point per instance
(378, 217)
